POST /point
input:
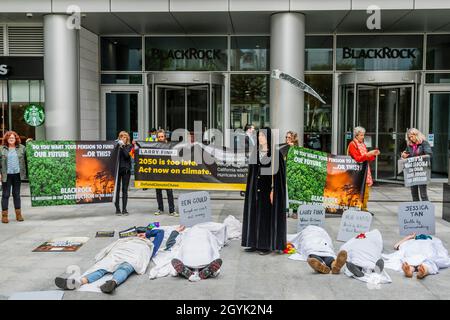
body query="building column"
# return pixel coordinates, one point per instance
(287, 53)
(61, 79)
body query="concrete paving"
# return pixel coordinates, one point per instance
(244, 275)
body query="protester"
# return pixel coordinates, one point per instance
(314, 245)
(13, 169)
(422, 254)
(152, 136)
(416, 145)
(364, 253)
(198, 257)
(291, 139)
(358, 151)
(121, 258)
(161, 136)
(264, 223)
(125, 148)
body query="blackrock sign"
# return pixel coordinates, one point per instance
(191, 53)
(381, 53)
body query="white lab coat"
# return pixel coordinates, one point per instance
(430, 252)
(134, 250)
(365, 252)
(312, 240)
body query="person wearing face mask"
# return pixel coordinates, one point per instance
(153, 136)
(13, 169)
(416, 145)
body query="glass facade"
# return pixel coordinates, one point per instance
(369, 53)
(319, 53)
(250, 53)
(121, 53)
(249, 95)
(438, 48)
(21, 93)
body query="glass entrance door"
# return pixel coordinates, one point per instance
(179, 106)
(386, 112)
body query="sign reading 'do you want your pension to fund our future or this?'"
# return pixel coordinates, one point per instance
(194, 208)
(416, 170)
(310, 215)
(416, 217)
(354, 222)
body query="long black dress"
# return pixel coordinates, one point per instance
(264, 224)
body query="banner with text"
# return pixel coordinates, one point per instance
(416, 170)
(71, 172)
(189, 166)
(315, 177)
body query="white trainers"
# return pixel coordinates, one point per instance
(157, 213)
(174, 214)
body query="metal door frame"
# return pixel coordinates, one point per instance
(139, 90)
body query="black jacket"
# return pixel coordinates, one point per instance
(124, 156)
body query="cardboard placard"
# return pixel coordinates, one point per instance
(416, 170)
(68, 244)
(310, 215)
(105, 234)
(416, 217)
(354, 222)
(194, 208)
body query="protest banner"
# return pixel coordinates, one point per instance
(313, 215)
(71, 172)
(353, 223)
(416, 170)
(416, 217)
(189, 166)
(194, 208)
(315, 177)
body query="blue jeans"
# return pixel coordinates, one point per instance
(158, 234)
(120, 275)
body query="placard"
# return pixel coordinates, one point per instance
(416, 217)
(416, 170)
(354, 222)
(313, 215)
(194, 208)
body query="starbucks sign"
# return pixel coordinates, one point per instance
(34, 115)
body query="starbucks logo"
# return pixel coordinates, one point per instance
(34, 115)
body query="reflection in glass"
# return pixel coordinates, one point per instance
(121, 53)
(438, 78)
(440, 128)
(197, 107)
(250, 53)
(438, 47)
(317, 116)
(249, 95)
(121, 79)
(319, 53)
(121, 114)
(186, 53)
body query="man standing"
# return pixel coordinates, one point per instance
(161, 137)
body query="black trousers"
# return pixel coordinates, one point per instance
(12, 182)
(159, 198)
(328, 260)
(124, 180)
(423, 192)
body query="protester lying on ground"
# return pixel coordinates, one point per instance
(121, 258)
(314, 245)
(193, 253)
(422, 254)
(364, 258)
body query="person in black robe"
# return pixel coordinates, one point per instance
(264, 223)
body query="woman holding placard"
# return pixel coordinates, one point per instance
(416, 145)
(358, 151)
(124, 173)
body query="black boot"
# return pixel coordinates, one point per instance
(109, 286)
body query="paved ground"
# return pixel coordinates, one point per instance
(244, 275)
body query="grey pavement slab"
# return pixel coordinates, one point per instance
(243, 276)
